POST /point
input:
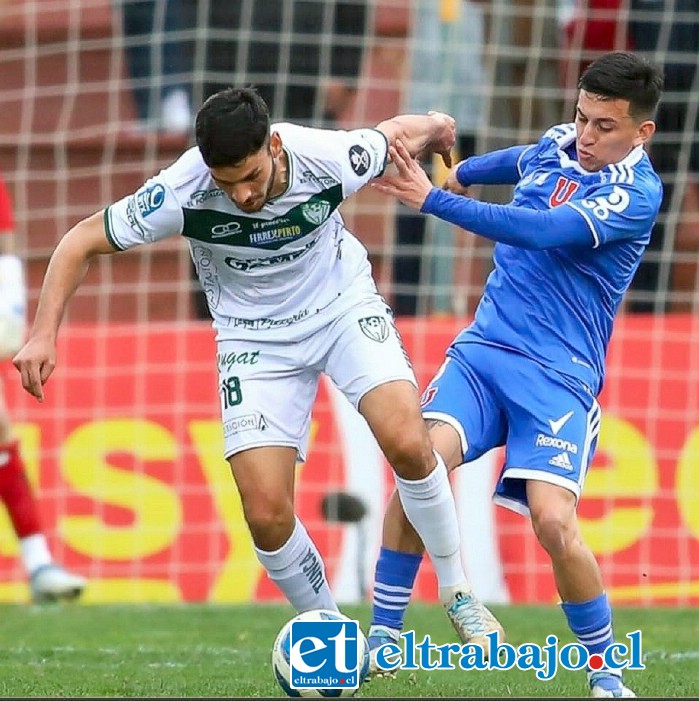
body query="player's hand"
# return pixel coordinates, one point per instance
(451, 184)
(445, 137)
(35, 363)
(410, 183)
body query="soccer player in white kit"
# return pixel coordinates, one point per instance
(291, 295)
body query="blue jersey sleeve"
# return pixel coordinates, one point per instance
(614, 212)
(515, 226)
(503, 167)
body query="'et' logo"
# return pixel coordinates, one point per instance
(324, 654)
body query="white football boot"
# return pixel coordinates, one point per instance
(53, 583)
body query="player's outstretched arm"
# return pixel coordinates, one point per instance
(68, 265)
(515, 226)
(421, 134)
(501, 167)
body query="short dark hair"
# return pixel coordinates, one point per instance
(231, 125)
(626, 76)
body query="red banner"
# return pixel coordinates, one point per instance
(127, 449)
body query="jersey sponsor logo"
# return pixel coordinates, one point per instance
(208, 275)
(557, 424)
(201, 196)
(325, 181)
(150, 199)
(375, 328)
(544, 441)
(250, 264)
(316, 212)
(264, 324)
(221, 231)
(359, 159)
(561, 460)
(274, 235)
(616, 201)
(563, 191)
(227, 360)
(247, 422)
(131, 217)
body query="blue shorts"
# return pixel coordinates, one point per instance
(547, 421)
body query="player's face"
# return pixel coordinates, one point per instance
(606, 132)
(251, 183)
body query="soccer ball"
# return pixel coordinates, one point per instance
(281, 655)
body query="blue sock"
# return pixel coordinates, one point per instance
(591, 623)
(393, 584)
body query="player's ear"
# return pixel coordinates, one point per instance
(645, 131)
(275, 144)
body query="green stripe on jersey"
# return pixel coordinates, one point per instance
(108, 231)
(230, 229)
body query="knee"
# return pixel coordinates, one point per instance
(410, 454)
(270, 520)
(556, 530)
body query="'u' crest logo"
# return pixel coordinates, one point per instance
(563, 191)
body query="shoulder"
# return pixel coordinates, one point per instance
(331, 142)
(161, 199)
(305, 140)
(186, 174)
(351, 153)
(634, 194)
(635, 175)
(551, 144)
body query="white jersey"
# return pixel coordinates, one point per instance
(267, 275)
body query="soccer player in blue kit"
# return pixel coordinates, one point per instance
(527, 372)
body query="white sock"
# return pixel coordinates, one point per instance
(429, 505)
(35, 552)
(298, 570)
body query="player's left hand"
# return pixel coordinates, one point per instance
(35, 363)
(410, 184)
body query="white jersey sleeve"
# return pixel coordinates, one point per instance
(152, 213)
(351, 158)
(366, 157)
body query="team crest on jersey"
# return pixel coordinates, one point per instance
(316, 212)
(359, 159)
(563, 191)
(374, 327)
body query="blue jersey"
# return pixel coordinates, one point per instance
(567, 248)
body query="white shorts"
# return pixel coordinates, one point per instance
(267, 389)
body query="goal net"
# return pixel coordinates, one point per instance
(98, 95)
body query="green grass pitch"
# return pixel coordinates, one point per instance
(224, 651)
